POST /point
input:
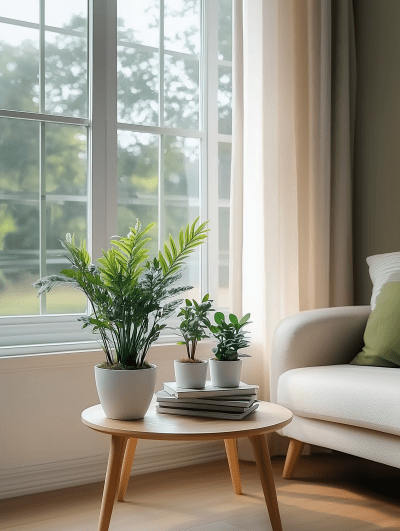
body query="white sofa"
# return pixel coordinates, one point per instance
(351, 408)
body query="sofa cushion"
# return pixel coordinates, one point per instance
(383, 268)
(382, 333)
(363, 396)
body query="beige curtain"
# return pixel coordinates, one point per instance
(293, 123)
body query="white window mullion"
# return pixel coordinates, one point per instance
(111, 126)
(225, 138)
(212, 144)
(42, 212)
(33, 25)
(41, 117)
(161, 192)
(161, 67)
(161, 206)
(155, 130)
(204, 251)
(103, 203)
(42, 162)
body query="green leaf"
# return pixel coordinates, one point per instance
(193, 228)
(168, 254)
(188, 302)
(206, 297)
(173, 246)
(163, 263)
(244, 319)
(149, 227)
(233, 319)
(219, 317)
(181, 240)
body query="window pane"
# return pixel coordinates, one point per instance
(19, 216)
(224, 170)
(181, 203)
(66, 210)
(26, 10)
(138, 183)
(62, 217)
(66, 162)
(19, 68)
(138, 22)
(225, 30)
(66, 72)
(137, 86)
(181, 93)
(223, 258)
(225, 100)
(182, 26)
(224, 179)
(71, 14)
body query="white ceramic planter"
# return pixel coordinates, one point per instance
(225, 373)
(190, 375)
(125, 395)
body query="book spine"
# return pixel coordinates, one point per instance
(211, 394)
(206, 402)
(194, 413)
(202, 407)
(209, 414)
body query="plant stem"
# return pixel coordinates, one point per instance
(102, 333)
(187, 341)
(194, 345)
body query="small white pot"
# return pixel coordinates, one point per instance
(225, 373)
(125, 394)
(190, 375)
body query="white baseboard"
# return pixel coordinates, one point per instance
(50, 476)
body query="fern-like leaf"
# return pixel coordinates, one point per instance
(188, 241)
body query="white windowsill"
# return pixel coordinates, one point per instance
(92, 357)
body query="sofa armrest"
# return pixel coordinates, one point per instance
(328, 336)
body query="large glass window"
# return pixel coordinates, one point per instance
(43, 148)
(171, 113)
(159, 85)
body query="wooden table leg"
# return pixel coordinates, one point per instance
(126, 468)
(117, 449)
(233, 460)
(260, 447)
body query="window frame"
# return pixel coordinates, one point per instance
(102, 127)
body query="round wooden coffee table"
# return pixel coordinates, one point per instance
(158, 426)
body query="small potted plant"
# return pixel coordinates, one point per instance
(129, 297)
(191, 372)
(226, 367)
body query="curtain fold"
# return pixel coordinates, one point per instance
(293, 130)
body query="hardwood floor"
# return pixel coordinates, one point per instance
(328, 493)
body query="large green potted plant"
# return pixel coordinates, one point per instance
(130, 299)
(226, 367)
(191, 372)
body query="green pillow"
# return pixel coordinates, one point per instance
(382, 333)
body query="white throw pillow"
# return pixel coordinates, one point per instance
(383, 268)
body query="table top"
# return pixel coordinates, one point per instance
(160, 426)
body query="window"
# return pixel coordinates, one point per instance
(97, 131)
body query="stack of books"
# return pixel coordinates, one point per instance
(233, 403)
